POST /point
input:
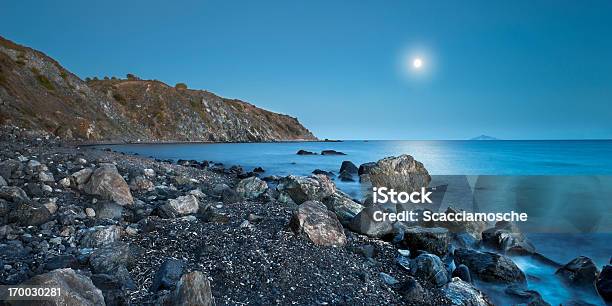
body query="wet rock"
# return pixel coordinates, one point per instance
(507, 239)
(141, 183)
(527, 297)
(434, 240)
(76, 289)
(365, 168)
(430, 268)
(604, 283)
(62, 261)
(349, 167)
(30, 213)
(107, 183)
(402, 173)
(251, 188)
(579, 271)
(258, 170)
(459, 292)
(323, 172)
(344, 207)
(182, 206)
(490, 267)
(98, 236)
(364, 223)
(193, 289)
(332, 152)
(304, 152)
(346, 176)
(46, 176)
(301, 189)
(463, 272)
(167, 275)
(3, 182)
(474, 228)
(318, 224)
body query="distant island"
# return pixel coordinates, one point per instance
(484, 137)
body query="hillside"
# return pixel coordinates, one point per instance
(37, 93)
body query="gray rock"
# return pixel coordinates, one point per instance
(430, 268)
(193, 289)
(321, 226)
(251, 187)
(13, 194)
(579, 271)
(141, 183)
(3, 182)
(388, 279)
(167, 275)
(364, 223)
(434, 240)
(301, 189)
(76, 289)
(110, 258)
(30, 213)
(507, 239)
(402, 173)
(182, 206)
(344, 207)
(98, 236)
(107, 183)
(46, 176)
(10, 167)
(349, 167)
(81, 177)
(346, 176)
(365, 168)
(490, 267)
(412, 292)
(462, 293)
(108, 210)
(62, 261)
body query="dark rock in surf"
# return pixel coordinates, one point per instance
(490, 267)
(604, 283)
(579, 271)
(349, 167)
(332, 152)
(304, 152)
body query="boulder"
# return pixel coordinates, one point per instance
(490, 267)
(114, 259)
(365, 168)
(3, 182)
(319, 225)
(474, 228)
(10, 167)
(412, 292)
(107, 183)
(75, 288)
(434, 240)
(332, 152)
(304, 152)
(193, 289)
(45, 176)
(167, 275)
(28, 213)
(344, 207)
(363, 223)
(111, 289)
(430, 268)
(462, 293)
(251, 187)
(62, 261)
(506, 238)
(349, 167)
(182, 206)
(604, 283)
(402, 173)
(345, 176)
(528, 297)
(141, 183)
(323, 172)
(98, 236)
(301, 189)
(81, 177)
(108, 210)
(579, 271)
(463, 272)
(388, 279)
(13, 194)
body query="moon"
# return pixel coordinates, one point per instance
(417, 63)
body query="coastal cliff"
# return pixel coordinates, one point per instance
(37, 93)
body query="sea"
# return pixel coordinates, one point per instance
(565, 186)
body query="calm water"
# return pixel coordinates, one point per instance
(565, 186)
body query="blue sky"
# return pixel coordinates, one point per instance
(511, 69)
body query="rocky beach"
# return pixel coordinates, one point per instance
(115, 229)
